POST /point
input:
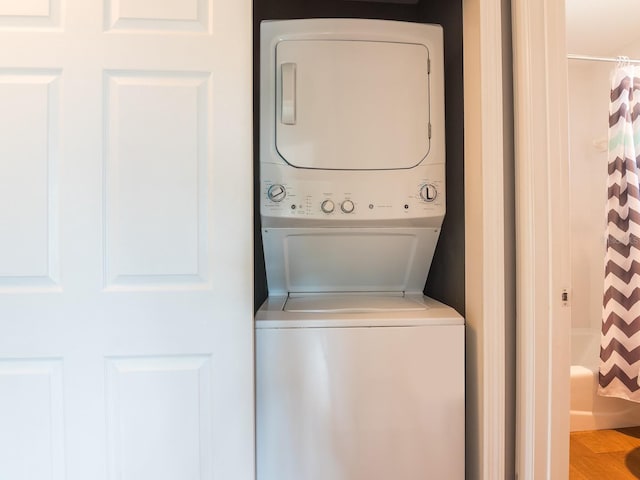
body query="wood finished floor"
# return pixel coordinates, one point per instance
(605, 454)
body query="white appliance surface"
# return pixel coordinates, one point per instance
(372, 309)
(348, 259)
(381, 197)
(351, 94)
(360, 396)
(382, 123)
(358, 375)
(352, 153)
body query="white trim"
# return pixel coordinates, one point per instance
(494, 237)
(543, 269)
(485, 237)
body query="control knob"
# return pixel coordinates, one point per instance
(327, 206)
(276, 192)
(347, 206)
(428, 192)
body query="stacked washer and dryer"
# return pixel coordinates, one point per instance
(358, 375)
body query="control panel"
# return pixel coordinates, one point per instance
(374, 195)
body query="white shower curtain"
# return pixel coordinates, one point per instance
(620, 342)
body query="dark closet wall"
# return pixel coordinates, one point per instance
(446, 277)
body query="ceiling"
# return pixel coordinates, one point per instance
(601, 27)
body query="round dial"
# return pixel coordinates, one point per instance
(327, 206)
(347, 206)
(276, 192)
(428, 192)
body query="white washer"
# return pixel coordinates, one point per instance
(359, 376)
(370, 389)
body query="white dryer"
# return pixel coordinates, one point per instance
(359, 376)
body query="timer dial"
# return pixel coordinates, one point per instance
(428, 192)
(276, 193)
(327, 206)
(347, 206)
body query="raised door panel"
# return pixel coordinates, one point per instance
(29, 121)
(32, 419)
(30, 14)
(166, 15)
(156, 165)
(159, 417)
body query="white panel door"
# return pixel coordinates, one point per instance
(126, 337)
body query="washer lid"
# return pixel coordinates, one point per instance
(353, 303)
(273, 315)
(352, 105)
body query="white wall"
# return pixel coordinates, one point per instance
(588, 124)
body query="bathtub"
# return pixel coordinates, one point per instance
(590, 411)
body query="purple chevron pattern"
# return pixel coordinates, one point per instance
(620, 341)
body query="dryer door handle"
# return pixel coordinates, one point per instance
(288, 73)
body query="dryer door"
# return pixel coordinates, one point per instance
(352, 105)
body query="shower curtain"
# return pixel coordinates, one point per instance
(620, 341)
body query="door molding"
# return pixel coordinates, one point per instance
(542, 244)
(485, 252)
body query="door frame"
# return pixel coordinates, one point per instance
(488, 243)
(542, 239)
